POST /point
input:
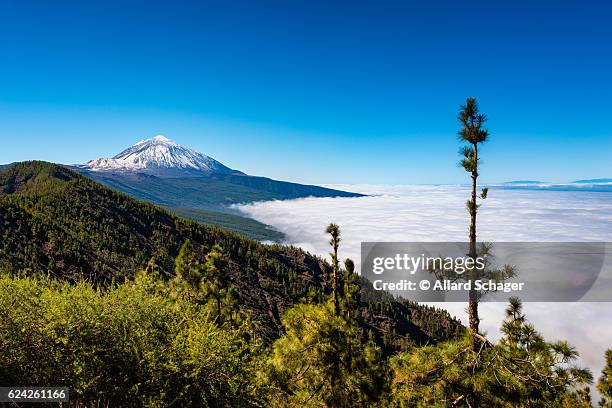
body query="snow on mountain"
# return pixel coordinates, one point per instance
(160, 155)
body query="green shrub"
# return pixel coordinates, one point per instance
(131, 346)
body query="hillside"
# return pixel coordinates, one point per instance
(248, 227)
(223, 218)
(207, 199)
(58, 222)
(214, 192)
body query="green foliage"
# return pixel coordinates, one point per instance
(521, 371)
(59, 223)
(214, 286)
(207, 283)
(472, 122)
(187, 266)
(321, 361)
(604, 386)
(468, 162)
(129, 346)
(484, 193)
(334, 231)
(351, 289)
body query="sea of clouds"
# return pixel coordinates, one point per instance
(437, 213)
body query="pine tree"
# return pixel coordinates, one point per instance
(522, 370)
(473, 133)
(324, 359)
(334, 231)
(351, 289)
(321, 361)
(188, 272)
(542, 369)
(214, 283)
(604, 386)
(208, 282)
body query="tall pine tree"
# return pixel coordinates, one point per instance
(334, 231)
(473, 133)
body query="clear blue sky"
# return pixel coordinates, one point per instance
(356, 92)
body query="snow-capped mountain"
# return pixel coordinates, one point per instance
(165, 173)
(161, 156)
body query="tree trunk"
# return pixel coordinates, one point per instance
(473, 296)
(473, 311)
(335, 281)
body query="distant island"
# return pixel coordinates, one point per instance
(589, 181)
(595, 181)
(601, 185)
(523, 182)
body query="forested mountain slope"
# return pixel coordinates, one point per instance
(56, 221)
(213, 191)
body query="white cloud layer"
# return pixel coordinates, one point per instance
(437, 213)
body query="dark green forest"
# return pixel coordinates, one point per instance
(230, 222)
(129, 305)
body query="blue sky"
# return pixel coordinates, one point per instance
(320, 92)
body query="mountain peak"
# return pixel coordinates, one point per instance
(157, 139)
(160, 156)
